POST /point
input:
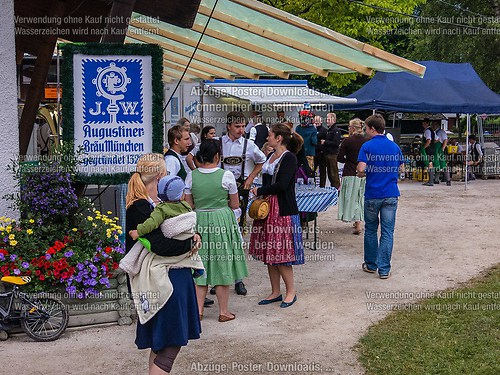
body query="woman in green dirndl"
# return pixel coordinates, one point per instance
(207, 190)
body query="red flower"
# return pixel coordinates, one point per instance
(51, 251)
(42, 277)
(115, 265)
(37, 273)
(64, 275)
(108, 250)
(4, 269)
(4, 252)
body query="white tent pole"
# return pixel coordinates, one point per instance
(467, 150)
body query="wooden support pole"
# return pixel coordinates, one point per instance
(37, 85)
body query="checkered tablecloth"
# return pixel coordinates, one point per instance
(315, 199)
(312, 199)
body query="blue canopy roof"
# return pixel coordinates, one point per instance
(445, 88)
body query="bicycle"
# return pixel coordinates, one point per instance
(41, 317)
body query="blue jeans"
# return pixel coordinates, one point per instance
(378, 253)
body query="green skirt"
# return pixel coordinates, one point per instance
(221, 248)
(351, 202)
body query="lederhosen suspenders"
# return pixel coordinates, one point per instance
(240, 182)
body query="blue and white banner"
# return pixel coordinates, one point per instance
(112, 111)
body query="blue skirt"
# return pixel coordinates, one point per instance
(178, 321)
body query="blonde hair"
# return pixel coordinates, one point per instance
(147, 169)
(357, 125)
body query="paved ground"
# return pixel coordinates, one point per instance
(444, 236)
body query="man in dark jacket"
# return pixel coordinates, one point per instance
(319, 158)
(331, 145)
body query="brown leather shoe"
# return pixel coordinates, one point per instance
(224, 318)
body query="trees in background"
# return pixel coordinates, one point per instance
(442, 30)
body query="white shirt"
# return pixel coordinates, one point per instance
(249, 126)
(427, 133)
(235, 148)
(441, 135)
(253, 132)
(478, 149)
(228, 180)
(269, 168)
(174, 166)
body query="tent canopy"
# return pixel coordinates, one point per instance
(273, 91)
(446, 87)
(249, 39)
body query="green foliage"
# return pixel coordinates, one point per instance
(456, 332)
(372, 25)
(445, 37)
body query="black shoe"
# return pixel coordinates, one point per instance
(208, 302)
(240, 289)
(428, 184)
(448, 183)
(436, 182)
(212, 291)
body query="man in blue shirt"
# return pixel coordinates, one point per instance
(381, 161)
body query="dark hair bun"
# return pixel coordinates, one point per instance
(208, 149)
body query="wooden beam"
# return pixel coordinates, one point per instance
(117, 26)
(37, 84)
(282, 39)
(201, 67)
(288, 59)
(332, 35)
(191, 71)
(207, 48)
(177, 75)
(199, 57)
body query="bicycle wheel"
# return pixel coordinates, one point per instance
(46, 320)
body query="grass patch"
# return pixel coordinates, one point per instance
(456, 332)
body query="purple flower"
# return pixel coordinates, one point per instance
(80, 266)
(68, 254)
(48, 256)
(25, 265)
(71, 289)
(17, 272)
(13, 257)
(2, 257)
(80, 295)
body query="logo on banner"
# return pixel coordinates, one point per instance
(112, 91)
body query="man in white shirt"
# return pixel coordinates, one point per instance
(259, 132)
(441, 143)
(245, 160)
(178, 141)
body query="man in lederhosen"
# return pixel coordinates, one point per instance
(178, 141)
(244, 159)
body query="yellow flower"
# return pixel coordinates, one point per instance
(2, 228)
(90, 218)
(74, 229)
(119, 231)
(29, 231)
(31, 221)
(13, 243)
(12, 236)
(109, 212)
(8, 229)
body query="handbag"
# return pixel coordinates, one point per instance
(259, 208)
